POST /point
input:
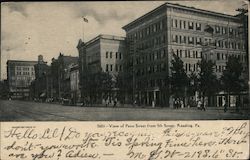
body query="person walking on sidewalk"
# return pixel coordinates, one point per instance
(204, 106)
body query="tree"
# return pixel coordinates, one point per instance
(207, 80)
(97, 86)
(178, 79)
(124, 86)
(231, 78)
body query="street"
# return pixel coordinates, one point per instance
(33, 111)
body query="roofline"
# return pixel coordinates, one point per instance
(8, 61)
(105, 36)
(182, 7)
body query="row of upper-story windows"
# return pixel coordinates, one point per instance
(19, 68)
(159, 40)
(117, 68)
(118, 55)
(184, 53)
(191, 25)
(160, 67)
(186, 39)
(220, 68)
(195, 67)
(180, 39)
(149, 30)
(158, 54)
(191, 67)
(182, 24)
(24, 73)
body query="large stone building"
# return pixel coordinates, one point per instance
(104, 53)
(20, 74)
(188, 32)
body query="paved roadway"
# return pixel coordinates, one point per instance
(33, 111)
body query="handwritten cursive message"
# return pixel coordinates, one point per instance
(125, 140)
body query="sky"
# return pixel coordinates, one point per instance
(29, 29)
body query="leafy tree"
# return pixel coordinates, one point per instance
(231, 78)
(207, 80)
(192, 84)
(179, 78)
(97, 86)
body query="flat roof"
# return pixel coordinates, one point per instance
(20, 61)
(180, 7)
(105, 36)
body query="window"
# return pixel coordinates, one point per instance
(111, 54)
(198, 40)
(154, 27)
(223, 30)
(191, 40)
(198, 26)
(120, 55)
(174, 38)
(161, 25)
(120, 67)
(107, 54)
(217, 29)
(107, 67)
(218, 56)
(190, 25)
(116, 55)
(111, 67)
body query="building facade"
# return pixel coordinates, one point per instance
(189, 33)
(40, 86)
(20, 74)
(60, 76)
(74, 84)
(104, 53)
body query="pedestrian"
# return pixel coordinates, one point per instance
(205, 104)
(153, 104)
(199, 104)
(115, 102)
(181, 104)
(175, 103)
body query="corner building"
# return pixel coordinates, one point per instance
(102, 53)
(174, 29)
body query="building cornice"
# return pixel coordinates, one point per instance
(177, 6)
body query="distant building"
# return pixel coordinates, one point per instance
(102, 53)
(60, 74)
(40, 84)
(188, 32)
(20, 74)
